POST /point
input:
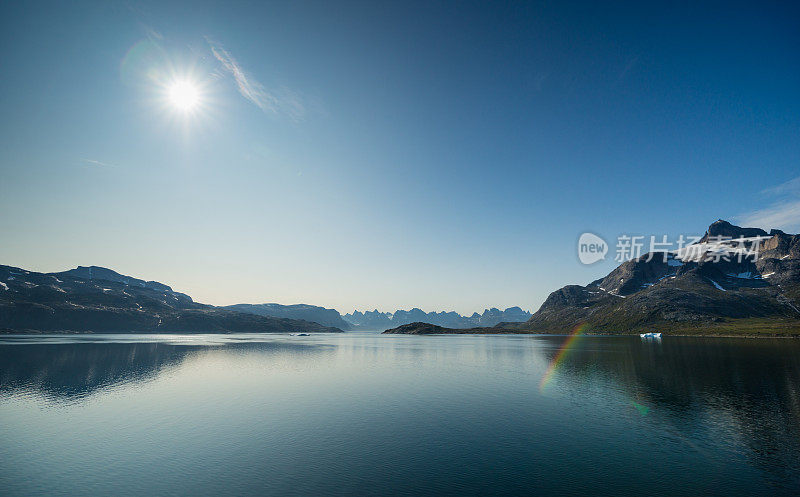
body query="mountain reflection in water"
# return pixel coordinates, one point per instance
(744, 389)
(69, 371)
(408, 414)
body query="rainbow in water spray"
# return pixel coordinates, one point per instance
(562, 352)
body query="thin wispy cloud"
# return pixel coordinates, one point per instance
(627, 69)
(277, 101)
(784, 211)
(97, 163)
(790, 187)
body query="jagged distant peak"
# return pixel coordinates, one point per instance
(490, 317)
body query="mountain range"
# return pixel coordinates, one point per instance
(96, 299)
(704, 288)
(316, 314)
(376, 320)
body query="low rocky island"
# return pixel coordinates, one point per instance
(420, 328)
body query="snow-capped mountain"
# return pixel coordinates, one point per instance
(96, 299)
(712, 285)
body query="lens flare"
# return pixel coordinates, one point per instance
(643, 409)
(562, 352)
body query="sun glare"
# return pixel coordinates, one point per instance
(184, 95)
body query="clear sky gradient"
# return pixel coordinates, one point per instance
(375, 154)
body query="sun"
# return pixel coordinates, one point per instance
(183, 95)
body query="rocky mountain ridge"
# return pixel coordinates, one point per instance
(316, 314)
(95, 299)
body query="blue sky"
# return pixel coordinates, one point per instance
(389, 155)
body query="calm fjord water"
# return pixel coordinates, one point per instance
(370, 414)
